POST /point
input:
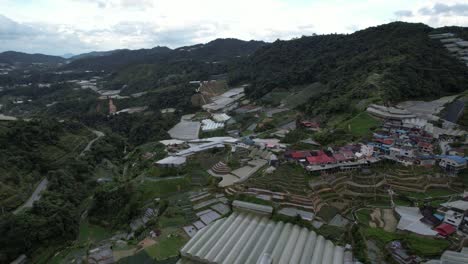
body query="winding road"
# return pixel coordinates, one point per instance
(99, 135)
(36, 195)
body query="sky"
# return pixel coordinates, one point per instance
(58, 27)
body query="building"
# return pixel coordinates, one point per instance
(445, 229)
(209, 125)
(172, 162)
(112, 107)
(310, 125)
(101, 255)
(249, 238)
(452, 163)
(321, 158)
(225, 102)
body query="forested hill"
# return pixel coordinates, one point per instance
(118, 59)
(12, 57)
(220, 49)
(388, 63)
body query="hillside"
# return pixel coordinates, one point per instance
(13, 57)
(93, 54)
(386, 64)
(118, 59)
(216, 50)
(32, 149)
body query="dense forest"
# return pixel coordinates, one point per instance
(216, 50)
(47, 149)
(388, 63)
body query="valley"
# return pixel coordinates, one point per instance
(321, 149)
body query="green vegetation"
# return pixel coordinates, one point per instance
(361, 125)
(425, 247)
(252, 199)
(157, 189)
(386, 64)
(30, 151)
(92, 233)
(166, 247)
(363, 216)
(290, 178)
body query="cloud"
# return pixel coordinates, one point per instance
(34, 38)
(137, 4)
(85, 25)
(404, 13)
(444, 9)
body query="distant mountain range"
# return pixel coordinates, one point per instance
(216, 50)
(13, 57)
(382, 64)
(219, 49)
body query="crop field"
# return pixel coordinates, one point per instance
(287, 178)
(360, 125)
(425, 247)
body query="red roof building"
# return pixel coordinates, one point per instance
(311, 125)
(299, 154)
(445, 229)
(339, 157)
(424, 146)
(320, 158)
(384, 141)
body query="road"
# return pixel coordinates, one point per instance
(99, 135)
(36, 195)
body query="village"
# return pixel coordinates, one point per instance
(257, 165)
(403, 180)
(242, 181)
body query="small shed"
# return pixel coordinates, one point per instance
(172, 162)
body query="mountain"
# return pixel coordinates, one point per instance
(384, 64)
(94, 54)
(117, 60)
(12, 57)
(68, 55)
(219, 49)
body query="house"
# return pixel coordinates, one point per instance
(425, 147)
(410, 221)
(320, 158)
(456, 214)
(400, 254)
(453, 217)
(101, 255)
(452, 163)
(426, 161)
(429, 217)
(310, 125)
(445, 229)
(297, 155)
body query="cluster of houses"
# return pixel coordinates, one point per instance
(456, 46)
(349, 157)
(449, 218)
(6, 68)
(411, 145)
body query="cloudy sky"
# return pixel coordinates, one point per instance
(75, 26)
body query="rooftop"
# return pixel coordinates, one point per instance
(248, 238)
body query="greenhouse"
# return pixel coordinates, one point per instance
(250, 238)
